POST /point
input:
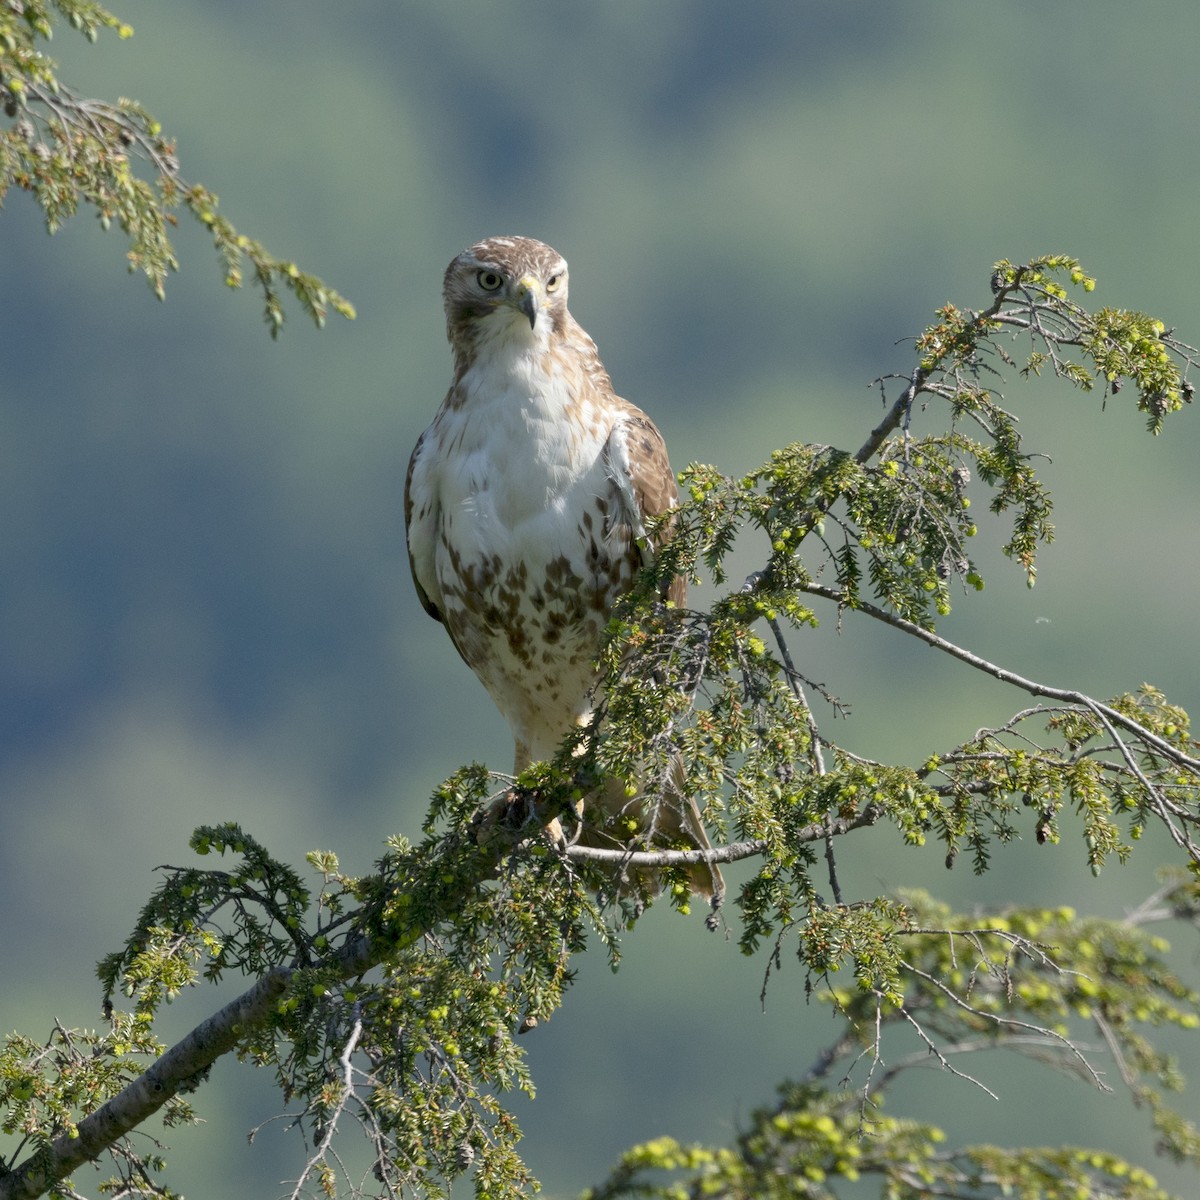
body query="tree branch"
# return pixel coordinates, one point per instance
(173, 1072)
(733, 852)
(1106, 713)
(184, 1064)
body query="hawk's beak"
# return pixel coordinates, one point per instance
(529, 298)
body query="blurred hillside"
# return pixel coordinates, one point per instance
(205, 610)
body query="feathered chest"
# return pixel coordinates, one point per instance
(521, 460)
(529, 543)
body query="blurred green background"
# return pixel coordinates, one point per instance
(205, 609)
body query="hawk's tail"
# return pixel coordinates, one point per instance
(664, 818)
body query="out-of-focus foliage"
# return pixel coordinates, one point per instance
(1026, 978)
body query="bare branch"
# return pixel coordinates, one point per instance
(733, 852)
(330, 1120)
(1104, 712)
(1002, 1022)
(932, 1047)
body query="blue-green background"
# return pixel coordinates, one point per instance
(205, 610)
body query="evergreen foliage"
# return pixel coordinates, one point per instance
(66, 150)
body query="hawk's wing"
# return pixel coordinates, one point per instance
(637, 463)
(420, 523)
(422, 520)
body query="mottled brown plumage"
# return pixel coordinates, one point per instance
(526, 504)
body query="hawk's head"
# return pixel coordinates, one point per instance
(504, 287)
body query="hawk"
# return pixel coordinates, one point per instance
(526, 504)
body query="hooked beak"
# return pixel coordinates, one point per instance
(529, 298)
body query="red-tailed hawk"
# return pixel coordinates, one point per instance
(526, 503)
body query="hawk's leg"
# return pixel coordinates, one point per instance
(516, 811)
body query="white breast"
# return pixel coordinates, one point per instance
(521, 559)
(520, 455)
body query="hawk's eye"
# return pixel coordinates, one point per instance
(490, 281)
(553, 282)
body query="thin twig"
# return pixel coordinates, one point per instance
(1010, 1023)
(1004, 675)
(814, 746)
(933, 1049)
(330, 1121)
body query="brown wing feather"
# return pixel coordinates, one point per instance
(653, 481)
(426, 603)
